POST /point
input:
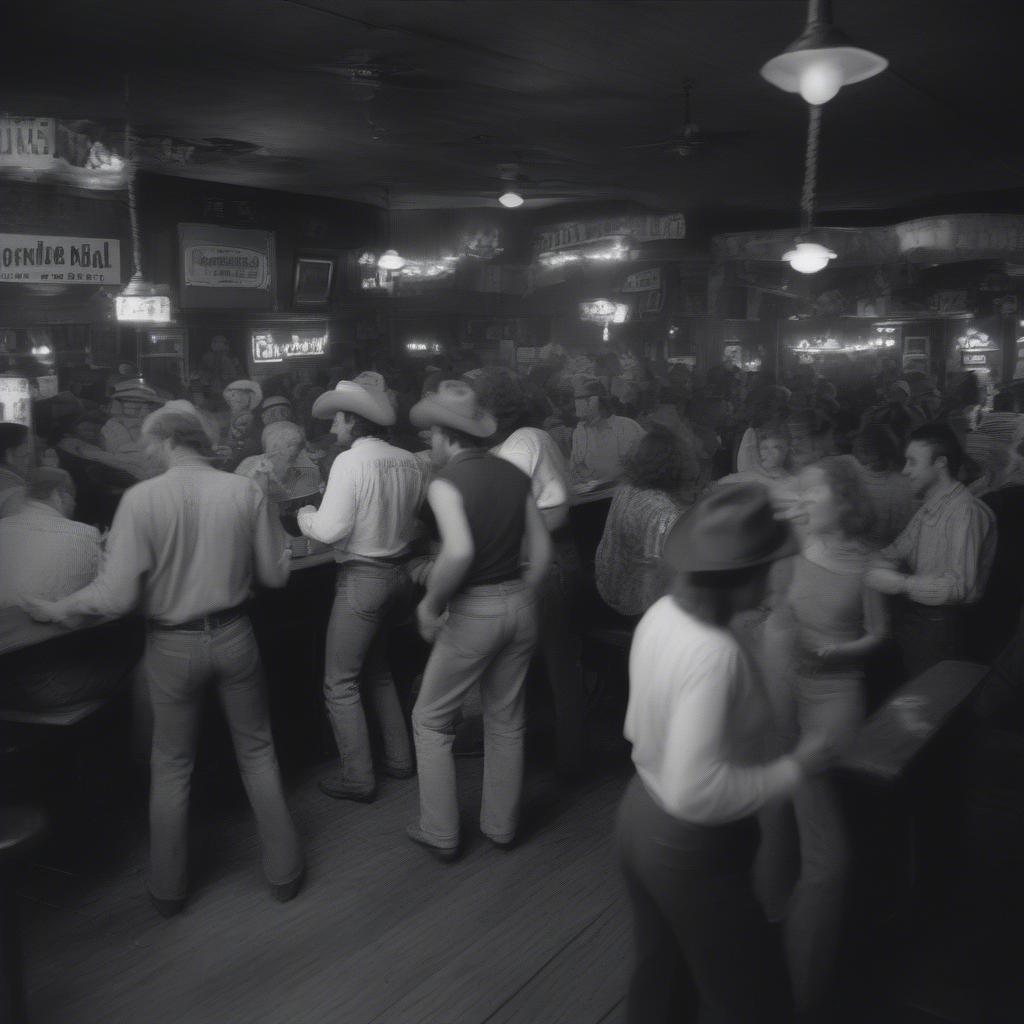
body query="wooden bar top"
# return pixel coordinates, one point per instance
(901, 728)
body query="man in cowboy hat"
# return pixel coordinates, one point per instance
(274, 409)
(243, 398)
(130, 403)
(602, 441)
(484, 511)
(368, 514)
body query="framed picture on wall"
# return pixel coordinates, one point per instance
(313, 279)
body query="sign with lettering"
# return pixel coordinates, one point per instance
(15, 401)
(226, 268)
(974, 359)
(643, 281)
(274, 345)
(643, 228)
(28, 142)
(603, 311)
(60, 259)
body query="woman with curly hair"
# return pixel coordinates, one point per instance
(828, 624)
(659, 486)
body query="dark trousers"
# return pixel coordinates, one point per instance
(703, 949)
(928, 635)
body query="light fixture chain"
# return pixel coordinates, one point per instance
(810, 169)
(129, 161)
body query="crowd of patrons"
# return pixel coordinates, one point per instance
(785, 553)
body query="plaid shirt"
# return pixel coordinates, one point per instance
(947, 548)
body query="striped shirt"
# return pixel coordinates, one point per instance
(42, 554)
(1005, 427)
(947, 548)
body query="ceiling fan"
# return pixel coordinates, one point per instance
(690, 139)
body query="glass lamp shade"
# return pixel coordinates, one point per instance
(511, 200)
(809, 257)
(820, 63)
(390, 260)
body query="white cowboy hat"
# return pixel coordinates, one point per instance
(247, 385)
(364, 396)
(454, 405)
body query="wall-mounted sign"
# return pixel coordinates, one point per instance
(15, 401)
(604, 311)
(34, 259)
(226, 267)
(973, 359)
(28, 142)
(643, 228)
(275, 345)
(143, 309)
(643, 281)
(424, 348)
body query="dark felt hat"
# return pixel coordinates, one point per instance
(734, 527)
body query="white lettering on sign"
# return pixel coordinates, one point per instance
(643, 281)
(222, 266)
(276, 346)
(67, 260)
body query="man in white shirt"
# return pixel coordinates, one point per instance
(368, 514)
(602, 441)
(43, 552)
(535, 452)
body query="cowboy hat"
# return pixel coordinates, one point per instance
(453, 405)
(732, 528)
(247, 385)
(274, 400)
(588, 387)
(365, 396)
(135, 391)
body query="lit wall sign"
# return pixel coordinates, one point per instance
(603, 311)
(34, 259)
(27, 142)
(143, 309)
(15, 401)
(422, 348)
(270, 346)
(223, 266)
(973, 359)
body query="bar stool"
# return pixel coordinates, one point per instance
(21, 828)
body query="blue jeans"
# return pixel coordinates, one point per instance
(178, 666)
(368, 596)
(489, 637)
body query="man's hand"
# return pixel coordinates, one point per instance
(429, 620)
(886, 581)
(47, 611)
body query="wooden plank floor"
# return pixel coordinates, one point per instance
(381, 932)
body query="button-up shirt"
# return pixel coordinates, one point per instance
(698, 719)
(369, 506)
(600, 450)
(947, 548)
(43, 554)
(536, 454)
(188, 543)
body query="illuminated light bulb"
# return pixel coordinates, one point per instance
(809, 257)
(511, 200)
(390, 260)
(820, 80)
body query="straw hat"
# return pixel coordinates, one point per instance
(365, 396)
(453, 405)
(734, 527)
(247, 385)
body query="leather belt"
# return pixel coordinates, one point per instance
(214, 620)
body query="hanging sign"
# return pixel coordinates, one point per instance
(644, 228)
(28, 142)
(643, 281)
(275, 345)
(226, 268)
(33, 259)
(603, 311)
(15, 401)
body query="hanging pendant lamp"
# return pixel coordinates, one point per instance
(822, 60)
(140, 302)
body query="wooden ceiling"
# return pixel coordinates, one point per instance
(424, 103)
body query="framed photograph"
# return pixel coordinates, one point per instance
(313, 279)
